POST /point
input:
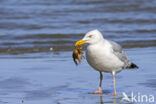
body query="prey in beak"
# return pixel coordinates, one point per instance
(77, 53)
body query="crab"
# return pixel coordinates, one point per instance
(77, 55)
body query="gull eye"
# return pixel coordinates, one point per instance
(90, 36)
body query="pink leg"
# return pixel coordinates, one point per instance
(100, 86)
(115, 93)
(97, 92)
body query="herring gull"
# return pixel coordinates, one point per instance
(105, 56)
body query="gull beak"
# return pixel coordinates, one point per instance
(80, 42)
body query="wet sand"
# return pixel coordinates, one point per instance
(53, 78)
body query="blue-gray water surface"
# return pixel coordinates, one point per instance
(38, 25)
(36, 42)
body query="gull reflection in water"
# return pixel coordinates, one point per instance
(102, 102)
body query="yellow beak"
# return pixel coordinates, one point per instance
(80, 42)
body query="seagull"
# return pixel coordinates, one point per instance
(105, 56)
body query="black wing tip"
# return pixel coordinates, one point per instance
(133, 66)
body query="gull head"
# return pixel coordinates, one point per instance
(92, 37)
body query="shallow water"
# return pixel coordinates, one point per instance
(36, 43)
(37, 25)
(53, 78)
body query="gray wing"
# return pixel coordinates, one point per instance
(117, 50)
